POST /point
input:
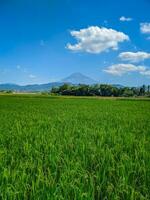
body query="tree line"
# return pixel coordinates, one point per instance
(101, 90)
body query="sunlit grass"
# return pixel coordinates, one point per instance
(69, 148)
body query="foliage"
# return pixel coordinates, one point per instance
(101, 90)
(6, 91)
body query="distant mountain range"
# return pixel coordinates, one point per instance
(75, 79)
(30, 88)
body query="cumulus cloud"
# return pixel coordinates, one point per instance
(125, 19)
(121, 69)
(145, 28)
(96, 39)
(134, 57)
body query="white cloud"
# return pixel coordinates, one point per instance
(125, 19)
(145, 28)
(146, 73)
(121, 69)
(32, 76)
(96, 40)
(134, 56)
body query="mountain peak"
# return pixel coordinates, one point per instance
(78, 78)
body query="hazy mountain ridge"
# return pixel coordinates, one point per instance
(30, 88)
(75, 79)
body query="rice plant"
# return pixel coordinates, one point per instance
(74, 148)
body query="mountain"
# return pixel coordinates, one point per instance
(78, 78)
(75, 79)
(30, 88)
(9, 86)
(41, 87)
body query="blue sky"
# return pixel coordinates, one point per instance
(46, 40)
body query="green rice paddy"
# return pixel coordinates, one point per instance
(74, 148)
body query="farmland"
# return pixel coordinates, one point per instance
(74, 148)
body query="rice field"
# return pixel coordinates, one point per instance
(74, 148)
